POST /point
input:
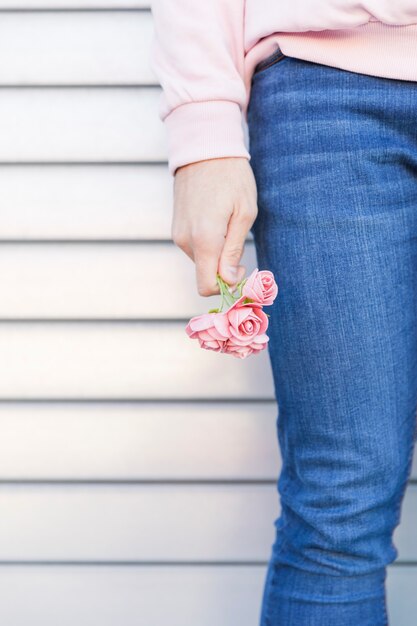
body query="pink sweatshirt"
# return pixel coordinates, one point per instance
(204, 52)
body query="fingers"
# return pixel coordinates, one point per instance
(229, 266)
(204, 245)
(206, 257)
(214, 208)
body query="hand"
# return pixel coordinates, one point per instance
(215, 205)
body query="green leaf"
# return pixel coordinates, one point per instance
(227, 296)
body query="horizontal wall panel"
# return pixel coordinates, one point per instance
(145, 441)
(81, 125)
(75, 280)
(136, 522)
(86, 202)
(129, 596)
(73, 48)
(151, 522)
(140, 441)
(401, 594)
(132, 595)
(122, 360)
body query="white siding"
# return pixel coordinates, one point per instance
(75, 280)
(178, 595)
(138, 473)
(80, 125)
(94, 48)
(97, 202)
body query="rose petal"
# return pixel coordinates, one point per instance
(221, 323)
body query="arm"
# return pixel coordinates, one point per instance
(197, 55)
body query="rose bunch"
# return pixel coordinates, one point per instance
(240, 329)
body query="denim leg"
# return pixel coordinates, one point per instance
(334, 155)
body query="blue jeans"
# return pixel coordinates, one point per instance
(334, 154)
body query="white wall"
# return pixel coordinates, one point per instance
(137, 471)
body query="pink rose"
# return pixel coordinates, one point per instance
(244, 321)
(259, 343)
(261, 287)
(239, 331)
(205, 329)
(247, 325)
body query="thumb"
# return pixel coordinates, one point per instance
(229, 263)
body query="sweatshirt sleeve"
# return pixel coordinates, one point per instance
(197, 55)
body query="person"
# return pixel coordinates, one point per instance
(298, 122)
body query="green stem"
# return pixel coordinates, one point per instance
(224, 290)
(221, 293)
(240, 286)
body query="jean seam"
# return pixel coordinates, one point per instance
(384, 610)
(273, 61)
